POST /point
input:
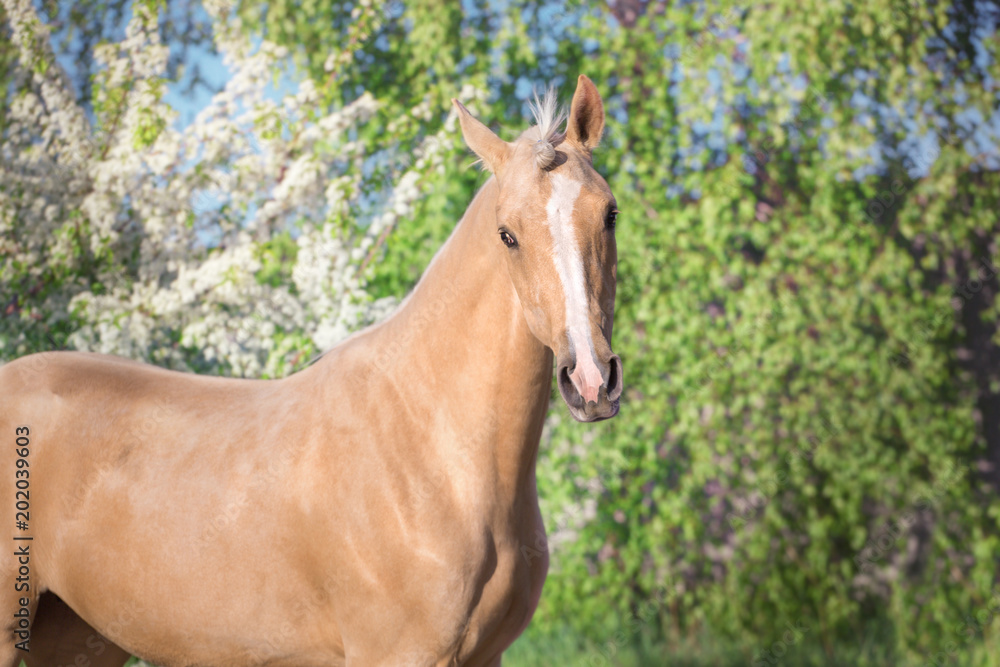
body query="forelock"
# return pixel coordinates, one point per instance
(545, 134)
(548, 117)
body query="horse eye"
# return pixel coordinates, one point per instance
(610, 221)
(507, 239)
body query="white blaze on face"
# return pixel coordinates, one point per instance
(569, 265)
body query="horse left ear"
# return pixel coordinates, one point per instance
(586, 115)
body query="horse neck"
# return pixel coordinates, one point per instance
(459, 349)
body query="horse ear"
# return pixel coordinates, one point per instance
(490, 148)
(586, 115)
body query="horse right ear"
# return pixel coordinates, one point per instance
(490, 148)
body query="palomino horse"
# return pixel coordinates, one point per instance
(372, 509)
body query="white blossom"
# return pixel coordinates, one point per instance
(160, 232)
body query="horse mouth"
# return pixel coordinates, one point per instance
(600, 412)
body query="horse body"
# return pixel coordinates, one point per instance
(376, 508)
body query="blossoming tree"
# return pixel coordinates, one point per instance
(240, 244)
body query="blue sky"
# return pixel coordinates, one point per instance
(180, 95)
(188, 102)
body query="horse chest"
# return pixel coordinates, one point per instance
(459, 592)
(505, 606)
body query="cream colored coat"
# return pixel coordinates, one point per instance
(371, 509)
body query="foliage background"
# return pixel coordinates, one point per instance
(807, 308)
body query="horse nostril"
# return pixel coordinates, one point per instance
(564, 378)
(614, 378)
(568, 390)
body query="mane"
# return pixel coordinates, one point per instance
(546, 134)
